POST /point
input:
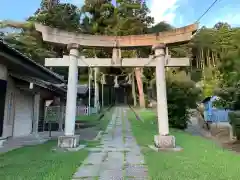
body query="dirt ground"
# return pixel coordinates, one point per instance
(221, 135)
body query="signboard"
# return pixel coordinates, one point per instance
(52, 113)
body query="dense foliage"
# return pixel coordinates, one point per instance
(235, 122)
(182, 96)
(216, 52)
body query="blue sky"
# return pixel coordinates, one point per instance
(176, 12)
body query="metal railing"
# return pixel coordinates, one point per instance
(53, 113)
(217, 115)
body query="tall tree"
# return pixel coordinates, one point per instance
(48, 4)
(134, 19)
(97, 16)
(27, 40)
(128, 17)
(161, 26)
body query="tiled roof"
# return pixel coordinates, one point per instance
(46, 70)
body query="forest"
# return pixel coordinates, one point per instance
(214, 52)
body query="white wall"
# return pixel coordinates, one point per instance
(23, 113)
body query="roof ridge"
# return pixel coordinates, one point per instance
(30, 60)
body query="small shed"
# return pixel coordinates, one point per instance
(212, 114)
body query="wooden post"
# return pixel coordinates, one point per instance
(96, 88)
(89, 90)
(61, 118)
(36, 112)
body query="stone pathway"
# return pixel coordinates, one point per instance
(118, 157)
(195, 129)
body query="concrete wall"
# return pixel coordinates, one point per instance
(18, 113)
(9, 112)
(23, 113)
(3, 72)
(3, 89)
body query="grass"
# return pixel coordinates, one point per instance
(201, 159)
(40, 163)
(92, 117)
(105, 120)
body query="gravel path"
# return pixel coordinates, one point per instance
(194, 128)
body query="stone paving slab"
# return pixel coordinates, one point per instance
(111, 166)
(118, 157)
(136, 171)
(87, 171)
(134, 158)
(94, 158)
(111, 175)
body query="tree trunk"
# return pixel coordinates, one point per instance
(134, 91)
(209, 64)
(138, 74)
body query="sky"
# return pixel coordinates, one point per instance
(176, 12)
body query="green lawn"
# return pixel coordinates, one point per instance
(91, 117)
(106, 119)
(40, 163)
(200, 159)
(94, 118)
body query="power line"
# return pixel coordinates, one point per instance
(209, 8)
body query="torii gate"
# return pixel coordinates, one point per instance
(160, 60)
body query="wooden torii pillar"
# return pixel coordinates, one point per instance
(160, 60)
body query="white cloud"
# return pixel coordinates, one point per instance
(163, 10)
(232, 19)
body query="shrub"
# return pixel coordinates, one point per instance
(234, 118)
(230, 97)
(182, 95)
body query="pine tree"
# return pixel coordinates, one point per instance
(48, 4)
(98, 15)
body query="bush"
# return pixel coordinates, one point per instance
(227, 96)
(182, 95)
(234, 118)
(196, 75)
(230, 97)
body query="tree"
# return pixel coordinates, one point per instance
(48, 4)
(29, 41)
(63, 16)
(221, 25)
(216, 52)
(160, 27)
(127, 18)
(134, 19)
(98, 16)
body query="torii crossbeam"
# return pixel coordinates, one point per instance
(160, 60)
(108, 62)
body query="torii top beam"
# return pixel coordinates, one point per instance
(175, 36)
